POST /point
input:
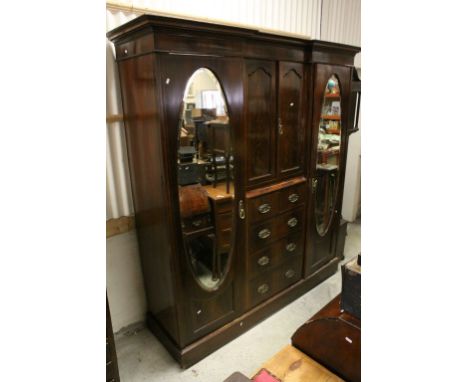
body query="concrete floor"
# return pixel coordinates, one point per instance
(142, 358)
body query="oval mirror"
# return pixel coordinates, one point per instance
(205, 165)
(328, 156)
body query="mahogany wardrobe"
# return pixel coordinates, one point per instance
(237, 144)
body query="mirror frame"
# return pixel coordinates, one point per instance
(339, 171)
(221, 283)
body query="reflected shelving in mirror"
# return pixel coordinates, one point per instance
(328, 156)
(206, 178)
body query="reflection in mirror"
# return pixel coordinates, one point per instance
(328, 156)
(205, 176)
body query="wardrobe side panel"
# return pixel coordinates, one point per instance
(146, 159)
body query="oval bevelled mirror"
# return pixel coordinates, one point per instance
(205, 166)
(328, 156)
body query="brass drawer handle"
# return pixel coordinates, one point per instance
(264, 208)
(292, 222)
(293, 198)
(290, 247)
(289, 273)
(197, 223)
(264, 233)
(264, 260)
(262, 289)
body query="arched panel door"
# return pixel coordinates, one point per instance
(202, 118)
(291, 130)
(326, 167)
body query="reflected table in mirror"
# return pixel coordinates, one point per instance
(221, 203)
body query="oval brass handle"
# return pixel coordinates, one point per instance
(264, 233)
(264, 208)
(292, 222)
(290, 247)
(289, 273)
(293, 198)
(264, 260)
(262, 289)
(197, 223)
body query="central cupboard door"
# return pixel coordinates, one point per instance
(274, 113)
(291, 123)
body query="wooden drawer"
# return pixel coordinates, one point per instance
(275, 254)
(263, 234)
(270, 283)
(196, 223)
(224, 225)
(292, 196)
(140, 45)
(262, 207)
(223, 205)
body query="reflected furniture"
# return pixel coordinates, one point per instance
(270, 231)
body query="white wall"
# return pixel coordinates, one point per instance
(340, 23)
(124, 281)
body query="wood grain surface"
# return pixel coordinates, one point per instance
(291, 365)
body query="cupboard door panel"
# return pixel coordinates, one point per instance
(291, 130)
(260, 112)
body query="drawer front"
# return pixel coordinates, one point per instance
(274, 255)
(270, 283)
(224, 221)
(276, 228)
(224, 226)
(292, 196)
(224, 205)
(289, 222)
(196, 223)
(262, 207)
(140, 45)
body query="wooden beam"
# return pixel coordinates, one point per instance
(120, 225)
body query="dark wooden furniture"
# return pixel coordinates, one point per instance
(273, 88)
(112, 368)
(332, 338)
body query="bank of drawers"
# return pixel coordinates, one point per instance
(275, 241)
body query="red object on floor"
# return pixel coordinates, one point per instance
(265, 376)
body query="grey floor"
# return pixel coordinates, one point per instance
(142, 358)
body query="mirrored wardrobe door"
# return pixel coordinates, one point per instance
(327, 163)
(328, 151)
(205, 174)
